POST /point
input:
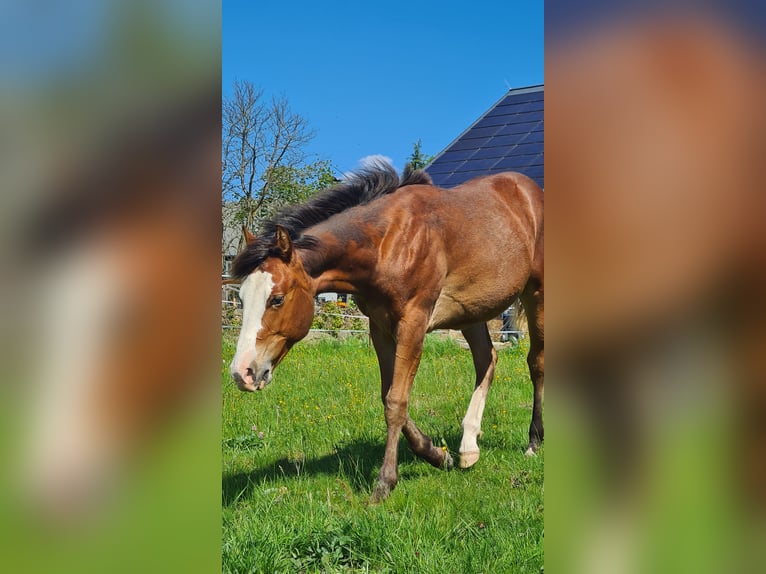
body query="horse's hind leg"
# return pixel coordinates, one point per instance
(484, 360)
(533, 299)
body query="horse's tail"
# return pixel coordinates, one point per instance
(520, 322)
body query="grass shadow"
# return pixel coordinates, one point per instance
(356, 461)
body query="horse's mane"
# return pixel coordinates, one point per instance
(358, 188)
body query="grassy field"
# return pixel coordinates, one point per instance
(300, 459)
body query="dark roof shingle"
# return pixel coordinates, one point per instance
(507, 137)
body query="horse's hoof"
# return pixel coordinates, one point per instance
(468, 459)
(531, 451)
(448, 463)
(380, 493)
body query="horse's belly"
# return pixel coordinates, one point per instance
(451, 312)
(446, 312)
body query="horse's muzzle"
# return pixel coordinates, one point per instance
(249, 381)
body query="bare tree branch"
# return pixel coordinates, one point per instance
(258, 138)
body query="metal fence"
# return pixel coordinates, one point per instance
(340, 320)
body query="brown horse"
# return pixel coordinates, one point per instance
(417, 258)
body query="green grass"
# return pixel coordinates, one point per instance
(300, 459)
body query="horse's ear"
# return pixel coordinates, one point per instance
(284, 244)
(249, 237)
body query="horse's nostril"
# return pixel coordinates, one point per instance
(249, 373)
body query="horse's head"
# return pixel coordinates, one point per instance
(278, 307)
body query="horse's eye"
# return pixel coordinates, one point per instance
(277, 300)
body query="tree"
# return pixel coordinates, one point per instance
(264, 156)
(418, 160)
(295, 184)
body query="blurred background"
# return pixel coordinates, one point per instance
(109, 237)
(656, 404)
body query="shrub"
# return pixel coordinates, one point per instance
(338, 316)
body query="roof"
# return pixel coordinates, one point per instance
(507, 137)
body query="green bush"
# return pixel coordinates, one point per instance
(338, 316)
(231, 315)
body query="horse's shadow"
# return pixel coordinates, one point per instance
(356, 461)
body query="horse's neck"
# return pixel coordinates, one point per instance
(336, 265)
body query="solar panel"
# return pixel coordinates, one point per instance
(508, 136)
(485, 152)
(515, 163)
(470, 143)
(485, 132)
(535, 172)
(500, 120)
(458, 154)
(520, 128)
(483, 164)
(445, 167)
(517, 108)
(536, 136)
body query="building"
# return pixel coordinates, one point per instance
(507, 137)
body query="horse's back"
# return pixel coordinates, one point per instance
(517, 197)
(482, 238)
(495, 218)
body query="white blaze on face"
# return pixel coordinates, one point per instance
(254, 292)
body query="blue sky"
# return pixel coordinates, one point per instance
(373, 77)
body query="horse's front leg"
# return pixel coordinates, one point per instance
(398, 364)
(424, 448)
